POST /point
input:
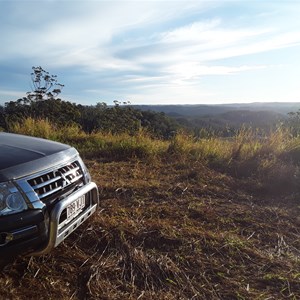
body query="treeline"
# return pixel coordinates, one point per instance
(116, 119)
(123, 118)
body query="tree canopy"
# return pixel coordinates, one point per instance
(42, 102)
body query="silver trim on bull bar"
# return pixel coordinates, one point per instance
(56, 235)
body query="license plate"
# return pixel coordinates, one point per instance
(75, 207)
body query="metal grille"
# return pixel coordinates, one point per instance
(56, 181)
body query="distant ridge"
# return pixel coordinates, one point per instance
(193, 110)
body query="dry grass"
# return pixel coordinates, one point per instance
(171, 231)
(184, 219)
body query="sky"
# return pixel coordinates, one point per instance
(153, 52)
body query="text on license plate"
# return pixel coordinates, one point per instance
(75, 207)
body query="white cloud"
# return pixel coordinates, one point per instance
(212, 33)
(186, 74)
(282, 40)
(156, 47)
(85, 29)
(11, 93)
(172, 94)
(193, 70)
(85, 37)
(212, 41)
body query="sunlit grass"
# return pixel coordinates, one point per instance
(267, 158)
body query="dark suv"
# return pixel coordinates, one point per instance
(46, 192)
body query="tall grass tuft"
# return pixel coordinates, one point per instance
(119, 147)
(43, 128)
(34, 127)
(210, 150)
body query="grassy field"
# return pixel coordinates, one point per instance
(179, 219)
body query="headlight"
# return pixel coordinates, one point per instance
(11, 201)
